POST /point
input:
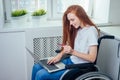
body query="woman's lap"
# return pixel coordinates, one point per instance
(39, 73)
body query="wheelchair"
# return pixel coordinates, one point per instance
(86, 71)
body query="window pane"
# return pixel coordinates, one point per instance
(59, 7)
(30, 5)
(63, 4)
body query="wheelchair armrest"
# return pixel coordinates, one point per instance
(81, 66)
(58, 51)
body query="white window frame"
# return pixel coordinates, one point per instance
(7, 10)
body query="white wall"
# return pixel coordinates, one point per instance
(12, 56)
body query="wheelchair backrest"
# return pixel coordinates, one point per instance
(99, 41)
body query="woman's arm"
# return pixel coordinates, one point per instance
(91, 56)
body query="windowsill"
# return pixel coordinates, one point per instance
(17, 26)
(33, 23)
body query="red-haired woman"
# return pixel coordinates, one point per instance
(80, 37)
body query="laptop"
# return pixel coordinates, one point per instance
(50, 68)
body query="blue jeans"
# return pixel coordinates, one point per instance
(39, 73)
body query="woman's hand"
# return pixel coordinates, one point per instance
(55, 59)
(67, 49)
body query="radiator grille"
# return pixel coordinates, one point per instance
(46, 46)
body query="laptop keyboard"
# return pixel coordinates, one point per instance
(51, 67)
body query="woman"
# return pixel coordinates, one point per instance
(80, 40)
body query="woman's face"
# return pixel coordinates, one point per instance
(74, 20)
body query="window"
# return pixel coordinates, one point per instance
(29, 5)
(54, 8)
(59, 6)
(98, 10)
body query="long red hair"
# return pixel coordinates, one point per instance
(69, 32)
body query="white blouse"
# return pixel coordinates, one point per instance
(85, 37)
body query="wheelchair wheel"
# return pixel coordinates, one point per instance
(94, 76)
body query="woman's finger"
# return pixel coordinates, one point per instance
(52, 61)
